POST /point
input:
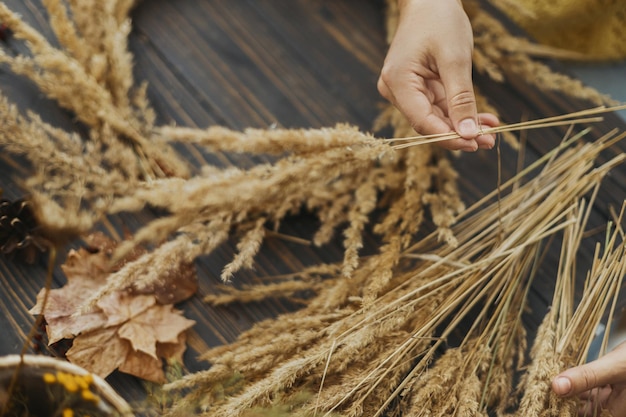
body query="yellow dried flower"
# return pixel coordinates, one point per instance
(68, 381)
(49, 378)
(88, 395)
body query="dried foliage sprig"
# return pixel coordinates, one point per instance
(570, 119)
(67, 177)
(347, 175)
(485, 277)
(503, 55)
(92, 76)
(564, 337)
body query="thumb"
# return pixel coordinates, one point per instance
(609, 369)
(461, 101)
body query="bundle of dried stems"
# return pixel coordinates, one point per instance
(369, 340)
(367, 358)
(565, 336)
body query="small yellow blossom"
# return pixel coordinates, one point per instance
(49, 378)
(89, 396)
(73, 383)
(82, 381)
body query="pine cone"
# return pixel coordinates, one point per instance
(19, 230)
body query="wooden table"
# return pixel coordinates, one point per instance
(294, 63)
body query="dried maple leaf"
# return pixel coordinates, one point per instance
(174, 291)
(128, 331)
(85, 274)
(170, 291)
(136, 345)
(100, 351)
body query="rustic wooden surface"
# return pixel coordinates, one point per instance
(294, 63)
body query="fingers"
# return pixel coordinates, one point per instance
(616, 403)
(610, 398)
(486, 120)
(416, 105)
(422, 98)
(609, 369)
(410, 94)
(593, 401)
(456, 76)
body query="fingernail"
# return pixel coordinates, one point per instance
(562, 385)
(471, 146)
(467, 128)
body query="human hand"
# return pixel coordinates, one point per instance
(601, 383)
(427, 73)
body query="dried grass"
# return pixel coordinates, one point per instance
(372, 338)
(366, 375)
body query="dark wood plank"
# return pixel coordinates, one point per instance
(258, 65)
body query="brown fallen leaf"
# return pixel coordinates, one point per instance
(158, 324)
(144, 366)
(120, 307)
(125, 330)
(137, 345)
(173, 291)
(85, 274)
(100, 351)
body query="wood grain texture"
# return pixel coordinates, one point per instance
(293, 63)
